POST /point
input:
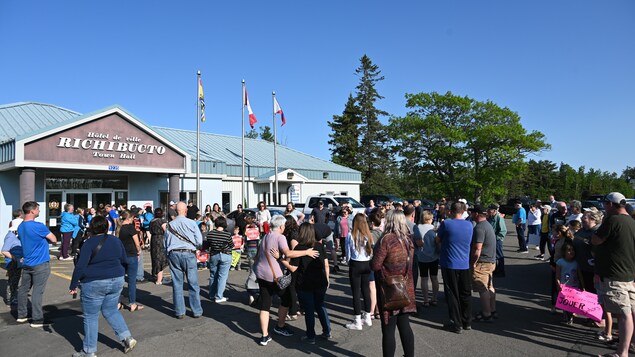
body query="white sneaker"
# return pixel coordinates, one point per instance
(66, 259)
(355, 324)
(221, 300)
(129, 344)
(367, 319)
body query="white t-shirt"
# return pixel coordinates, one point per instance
(15, 223)
(533, 217)
(574, 217)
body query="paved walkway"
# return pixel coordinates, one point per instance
(525, 327)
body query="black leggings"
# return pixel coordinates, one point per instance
(388, 342)
(358, 273)
(544, 242)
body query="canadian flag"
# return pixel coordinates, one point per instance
(252, 117)
(278, 110)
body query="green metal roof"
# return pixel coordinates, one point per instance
(258, 153)
(26, 118)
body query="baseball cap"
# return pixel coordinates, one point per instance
(172, 203)
(463, 200)
(615, 197)
(478, 209)
(493, 206)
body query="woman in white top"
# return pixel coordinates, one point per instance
(262, 216)
(291, 211)
(534, 224)
(359, 250)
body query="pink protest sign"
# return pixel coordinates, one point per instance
(579, 302)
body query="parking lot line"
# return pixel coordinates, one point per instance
(61, 275)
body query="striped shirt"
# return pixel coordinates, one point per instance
(219, 242)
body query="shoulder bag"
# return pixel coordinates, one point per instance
(284, 281)
(94, 252)
(394, 289)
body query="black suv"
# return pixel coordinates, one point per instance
(509, 208)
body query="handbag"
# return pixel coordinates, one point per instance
(394, 289)
(284, 281)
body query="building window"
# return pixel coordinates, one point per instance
(83, 182)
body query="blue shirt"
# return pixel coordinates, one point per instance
(112, 218)
(187, 228)
(428, 253)
(108, 263)
(34, 244)
(12, 245)
(520, 216)
(456, 238)
(70, 223)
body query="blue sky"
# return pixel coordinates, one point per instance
(567, 67)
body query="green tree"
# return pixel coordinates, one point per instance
(251, 134)
(629, 173)
(266, 133)
(470, 148)
(374, 156)
(344, 138)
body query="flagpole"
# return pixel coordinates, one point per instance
(198, 141)
(275, 144)
(242, 185)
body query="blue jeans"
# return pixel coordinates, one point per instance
(131, 270)
(102, 295)
(140, 271)
(35, 276)
(500, 257)
(219, 265)
(522, 240)
(183, 264)
(312, 301)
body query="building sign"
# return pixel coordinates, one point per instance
(102, 147)
(111, 141)
(295, 193)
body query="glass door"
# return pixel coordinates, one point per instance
(77, 199)
(101, 199)
(53, 211)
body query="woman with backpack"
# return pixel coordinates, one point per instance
(101, 269)
(147, 217)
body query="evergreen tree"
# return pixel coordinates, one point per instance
(251, 134)
(344, 140)
(266, 133)
(374, 157)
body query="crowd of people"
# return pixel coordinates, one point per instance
(388, 249)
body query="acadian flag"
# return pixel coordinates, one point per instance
(278, 110)
(201, 99)
(252, 117)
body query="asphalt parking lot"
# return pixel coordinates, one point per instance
(525, 326)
